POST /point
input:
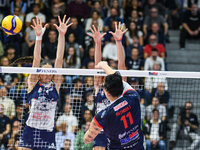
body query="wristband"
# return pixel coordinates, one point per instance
(118, 40)
(40, 37)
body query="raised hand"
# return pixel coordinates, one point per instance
(37, 26)
(62, 28)
(118, 32)
(100, 64)
(96, 34)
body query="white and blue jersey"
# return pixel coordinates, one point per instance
(39, 132)
(121, 121)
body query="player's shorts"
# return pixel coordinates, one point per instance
(36, 139)
(126, 149)
(100, 140)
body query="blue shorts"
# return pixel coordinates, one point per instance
(37, 139)
(100, 140)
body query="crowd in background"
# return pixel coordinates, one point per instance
(144, 43)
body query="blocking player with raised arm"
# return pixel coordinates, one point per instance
(121, 119)
(43, 90)
(101, 102)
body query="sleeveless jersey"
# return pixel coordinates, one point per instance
(121, 121)
(101, 102)
(43, 102)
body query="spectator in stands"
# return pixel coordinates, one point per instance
(68, 118)
(154, 17)
(77, 30)
(133, 31)
(79, 144)
(134, 6)
(89, 84)
(114, 16)
(9, 106)
(187, 121)
(71, 42)
(86, 118)
(95, 16)
(72, 60)
(28, 45)
(67, 145)
(174, 7)
(134, 62)
(90, 65)
(89, 104)
(159, 34)
(44, 7)
(11, 53)
(19, 114)
(149, 63)
(36, 12)
(61, 6)
(156, 105)
(78, 9)
(108, 3)
(20, 4)
(153, 44)
(115, 4)
(134, 18)
(110, 50)
(57, 10)
(161, 9)
(162, 94)
(155, 132)
(191, 26)
(7, 79)
(49, 28)
(62, 135)
(77, 88)
(134, 45)
(187, 4)
(89, 58)
(14, 134)
(5, 127)
(97, 7)
(50, 48)
(17, 12)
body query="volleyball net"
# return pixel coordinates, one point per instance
(173, 94)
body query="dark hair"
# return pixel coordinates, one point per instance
(1, 60)
(113, 84)
(189, 103)
(29, 60)
(88, 110)
(135, 32)
(74, 57)
(65, 105)
(35, 4)
(154, 50)
(95, 12)
(76, 80)
(67, 140)
(155, 97)
(155, 110)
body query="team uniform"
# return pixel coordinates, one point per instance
(39, 133)
(101, 102)
(121, 121)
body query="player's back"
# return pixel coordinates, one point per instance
(121, 121)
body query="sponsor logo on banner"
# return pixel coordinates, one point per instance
(120, 105)
(101, 72)
(153, 73)
(46, 71)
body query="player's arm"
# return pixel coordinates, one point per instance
(97, 38)
(118, 35)
(92, 132)
(62, 29)
(37, 26)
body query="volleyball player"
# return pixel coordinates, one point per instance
(43, 90)
(121, 119)
(101, 102)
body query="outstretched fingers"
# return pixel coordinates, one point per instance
(64, 18)
(94, 28)
(91, 30)
(69, 25)
(125, 31)
(122, 27)
(41, 21)
(68, 20)
(37, 20)
(59, 19)
(90, 34)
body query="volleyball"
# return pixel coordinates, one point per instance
(11, 24)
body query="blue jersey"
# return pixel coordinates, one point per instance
(43, 101)
(101, 102)
(121, 121)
